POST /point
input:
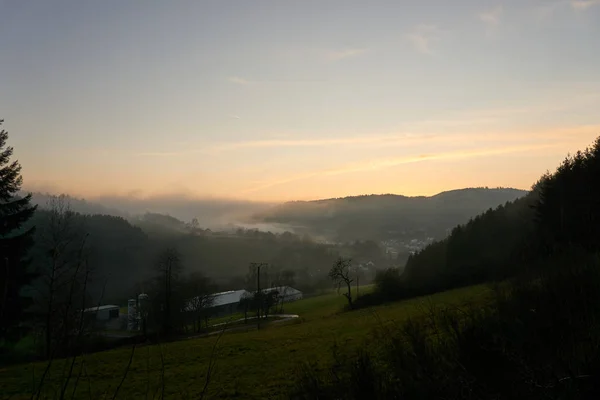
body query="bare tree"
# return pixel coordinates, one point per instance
(340, 274)
(198, 291)
(169, 266)
(64, 243)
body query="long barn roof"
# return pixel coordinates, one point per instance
(230, 297)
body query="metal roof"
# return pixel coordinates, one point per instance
(230, 297)
(234, 296)
(288, 290)
(100, 308)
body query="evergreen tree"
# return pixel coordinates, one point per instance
(14, 243)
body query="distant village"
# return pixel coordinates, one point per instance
(395, 246)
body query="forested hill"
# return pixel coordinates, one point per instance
(82, 206)
(381, 217)
(559, 216)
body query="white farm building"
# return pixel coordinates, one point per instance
(285, 294)
(227, 303)
(103, 313)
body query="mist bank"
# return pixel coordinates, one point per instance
(211, 213)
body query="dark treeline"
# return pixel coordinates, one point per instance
(558, 212)
(492, 245)
(537, 336)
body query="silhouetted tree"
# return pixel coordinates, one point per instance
(198, 291)
(169, 266)
(63, 242)
(340, 274)
(14, 244)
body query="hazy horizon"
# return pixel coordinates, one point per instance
(275, 101)
(186, 197)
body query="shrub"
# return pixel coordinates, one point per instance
(538, 339)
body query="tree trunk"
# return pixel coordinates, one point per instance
(349, 296)
(48, 332)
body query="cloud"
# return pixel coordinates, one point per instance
(492, 17)
(549, 9)
(366, 140)
(377, 164)
(391, 140)
(239, 81)
(584, 4)
(313, 142)
(347, 53)
(416, 132)
(234, 116)
(422, 38)
(546, 11)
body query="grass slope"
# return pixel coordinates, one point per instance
(251, 365)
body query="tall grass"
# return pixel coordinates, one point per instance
(538, 339)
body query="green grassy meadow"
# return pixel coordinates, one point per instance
(250, 365)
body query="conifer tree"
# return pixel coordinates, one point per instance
(15, 210)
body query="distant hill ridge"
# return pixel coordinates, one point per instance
(388, 215)
(518, 192)
(369, 216)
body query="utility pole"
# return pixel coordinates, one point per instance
(357, 286)
(258, 295)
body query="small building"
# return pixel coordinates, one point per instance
(102, 313)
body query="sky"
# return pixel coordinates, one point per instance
(281, 100)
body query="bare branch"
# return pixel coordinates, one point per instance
(212, 362)
(125, 374)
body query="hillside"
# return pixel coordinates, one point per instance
(244, 358)
(384, 217)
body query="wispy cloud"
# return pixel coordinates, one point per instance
(423, 37)
(234, 116)
(413, 133)
(239, 81)
(397, 139)
(584, 4)
(400, 140)
(313, 142)
(492, 17)
(346, 53)
(378, 164)
(546, 11)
